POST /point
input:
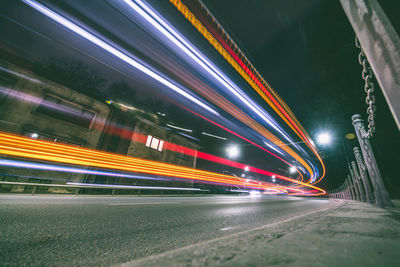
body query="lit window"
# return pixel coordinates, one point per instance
(154, 143)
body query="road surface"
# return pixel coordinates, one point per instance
(69, 230)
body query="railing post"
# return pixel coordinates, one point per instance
(356, 188)
(347, 189)
(358, 180)
(363, 175)
(352, 191)
(381, 45)
(381, 195)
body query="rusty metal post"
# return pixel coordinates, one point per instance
(381, 45)
(381, 195)
(358, 179)
(363, 175)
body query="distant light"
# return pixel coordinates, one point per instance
(161, 114)
(324, 138)
(246, 169)
(243, 175)
(34, 135)
(292, 169)
(273, 178)
(247, 180)
(233, 151)
(255, 194)
(350, 136)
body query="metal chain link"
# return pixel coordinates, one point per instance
(369, 88)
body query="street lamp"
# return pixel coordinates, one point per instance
(273, 178)
(232, 151)
(324, 138)
(246, 169)
(292, 169)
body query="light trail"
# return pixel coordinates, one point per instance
(115, 130)
(92, 38)
(48, 167)
(215, 136)
(162, 26)
(114, 51)
(242, 69)
(12, 145)
(179, 128)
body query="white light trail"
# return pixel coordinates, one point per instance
(179, 128)
(112, 50)
(160, 24)
(215, 136)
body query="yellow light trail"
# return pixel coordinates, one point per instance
(13, 145)
(225, 54)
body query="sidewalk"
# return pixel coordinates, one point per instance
(347, 234)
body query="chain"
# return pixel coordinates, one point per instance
(367, 76)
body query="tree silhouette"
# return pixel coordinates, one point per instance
(73, 74)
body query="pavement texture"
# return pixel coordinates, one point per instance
(346, 234)
(93, 231)
(195, 231)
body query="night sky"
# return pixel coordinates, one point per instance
(306, 51)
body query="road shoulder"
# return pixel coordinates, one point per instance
(344, 234)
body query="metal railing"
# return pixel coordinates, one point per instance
(79, 186)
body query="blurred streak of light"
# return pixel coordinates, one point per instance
(179, 128)
(188, 136)
(73, 27)
(186, 47)
(99, 122)
(174, 36)
(242, 69)
(20, 75)
(114, 51)
(117, 53)
(250, 78)
(215, 136)
(38, 100)
(209, 157)
(137, 186)
(115, 130)
(48, 167)
(238, 135)
(13, 145)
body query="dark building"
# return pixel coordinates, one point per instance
(40, 109)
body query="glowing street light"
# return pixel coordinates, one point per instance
(273, 178)
(292, 169)
(246, 169)
(233, 151)
(324, 138)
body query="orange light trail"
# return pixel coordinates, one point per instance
(19, 146)
(250, 78)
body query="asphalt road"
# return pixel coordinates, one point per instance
(56, 230)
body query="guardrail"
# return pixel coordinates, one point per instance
(79, 186)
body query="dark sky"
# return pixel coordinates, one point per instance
(306, 51)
